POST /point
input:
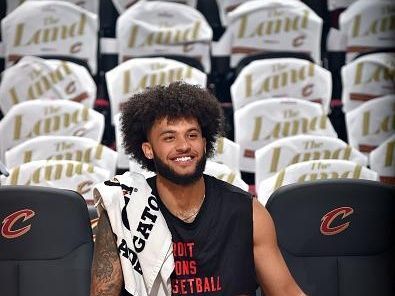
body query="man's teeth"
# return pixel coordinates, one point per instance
(185, 158)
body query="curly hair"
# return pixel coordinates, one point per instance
(175, 101)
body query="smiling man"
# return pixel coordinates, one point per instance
(224, 241)
(179, 153)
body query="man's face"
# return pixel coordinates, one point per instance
(177, 149)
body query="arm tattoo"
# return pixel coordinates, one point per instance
(107, 278)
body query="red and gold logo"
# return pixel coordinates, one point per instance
(10, 220)
(327, 220)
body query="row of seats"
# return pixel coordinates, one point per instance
(71, 131)
(337, 238)
(214, 79)
(34, 78)
(222, 75)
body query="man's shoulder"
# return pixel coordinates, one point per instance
(225, 188)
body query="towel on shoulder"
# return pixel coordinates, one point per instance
(143, 238)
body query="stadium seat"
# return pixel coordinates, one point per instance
(367, 77)
(371, 123)
(282, 77)
(35, 78)
(281, 153)
(48, 117)
(79, 27)
(382, 160)
(337, 236)
(265, 26)
(65, 174)
(313, 170)
(262, 122)
(46, 242)
(226, 76)
(62, 147)
(226, 152)
(367, 26)
(135, 75)
(140, 32)
(225, 173)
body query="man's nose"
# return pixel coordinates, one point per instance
(183, 144)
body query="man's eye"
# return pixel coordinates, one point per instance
(193, 136)
(168, 138)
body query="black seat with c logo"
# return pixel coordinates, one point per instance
(46, 242)
(337, 236)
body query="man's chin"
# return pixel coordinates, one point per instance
(187, 177)
(181, 178)
(184, 179)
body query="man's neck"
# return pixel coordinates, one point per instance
(180, 197)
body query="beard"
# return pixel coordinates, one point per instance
(168, 173)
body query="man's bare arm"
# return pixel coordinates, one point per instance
(107, 278)
(272, 272)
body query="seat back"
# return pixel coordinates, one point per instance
(262, 122)
(63, 148)
(337, 236)
(281, 153)
(225, 173)
(226, 152)
(45, 243)
(359, 22)
(35, 78)
(366, 78)
(34, 28)
(141, 32)
(48, 117)
(382, 160)
(371, 123)
(264, 26)
(311, 171)
(66, 174)
(135, 75)
(285, 77)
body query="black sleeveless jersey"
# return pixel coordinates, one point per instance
(214, 254)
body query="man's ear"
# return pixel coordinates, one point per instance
(147, 150)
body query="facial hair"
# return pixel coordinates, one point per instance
(168, 173)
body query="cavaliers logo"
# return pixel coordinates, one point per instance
(327, 220)
(8, 223)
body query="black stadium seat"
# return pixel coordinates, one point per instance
(46, 242)
(337, 236)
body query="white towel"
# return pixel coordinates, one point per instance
(143, 238)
